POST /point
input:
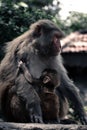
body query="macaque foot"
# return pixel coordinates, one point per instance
(83, 120)
(68, 121)
(52, 122)
(36, 119)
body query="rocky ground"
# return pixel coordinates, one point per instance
(22, 126)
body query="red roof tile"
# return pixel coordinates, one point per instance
(75, 42)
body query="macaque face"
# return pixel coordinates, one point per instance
(51, 78)
(48, 39)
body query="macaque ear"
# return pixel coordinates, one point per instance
(46, 79)
(38, 31)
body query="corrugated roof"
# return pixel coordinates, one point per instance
(75, 42)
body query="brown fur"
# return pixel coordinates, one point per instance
(49, 100)
(50, 107)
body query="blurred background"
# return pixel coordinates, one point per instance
(71, 16)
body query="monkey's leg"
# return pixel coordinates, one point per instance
(19, 107)
(13, 108)
(18, 110)
(63, 103)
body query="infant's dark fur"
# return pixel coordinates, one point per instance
(49, 100)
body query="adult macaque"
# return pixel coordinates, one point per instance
(39, 48)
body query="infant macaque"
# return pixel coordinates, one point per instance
(49, 100)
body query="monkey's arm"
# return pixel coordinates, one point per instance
(25, 71)
(27, 92)
(72, 93)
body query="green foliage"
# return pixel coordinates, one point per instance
(17, 15)
(15, 19)
(76, 22)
